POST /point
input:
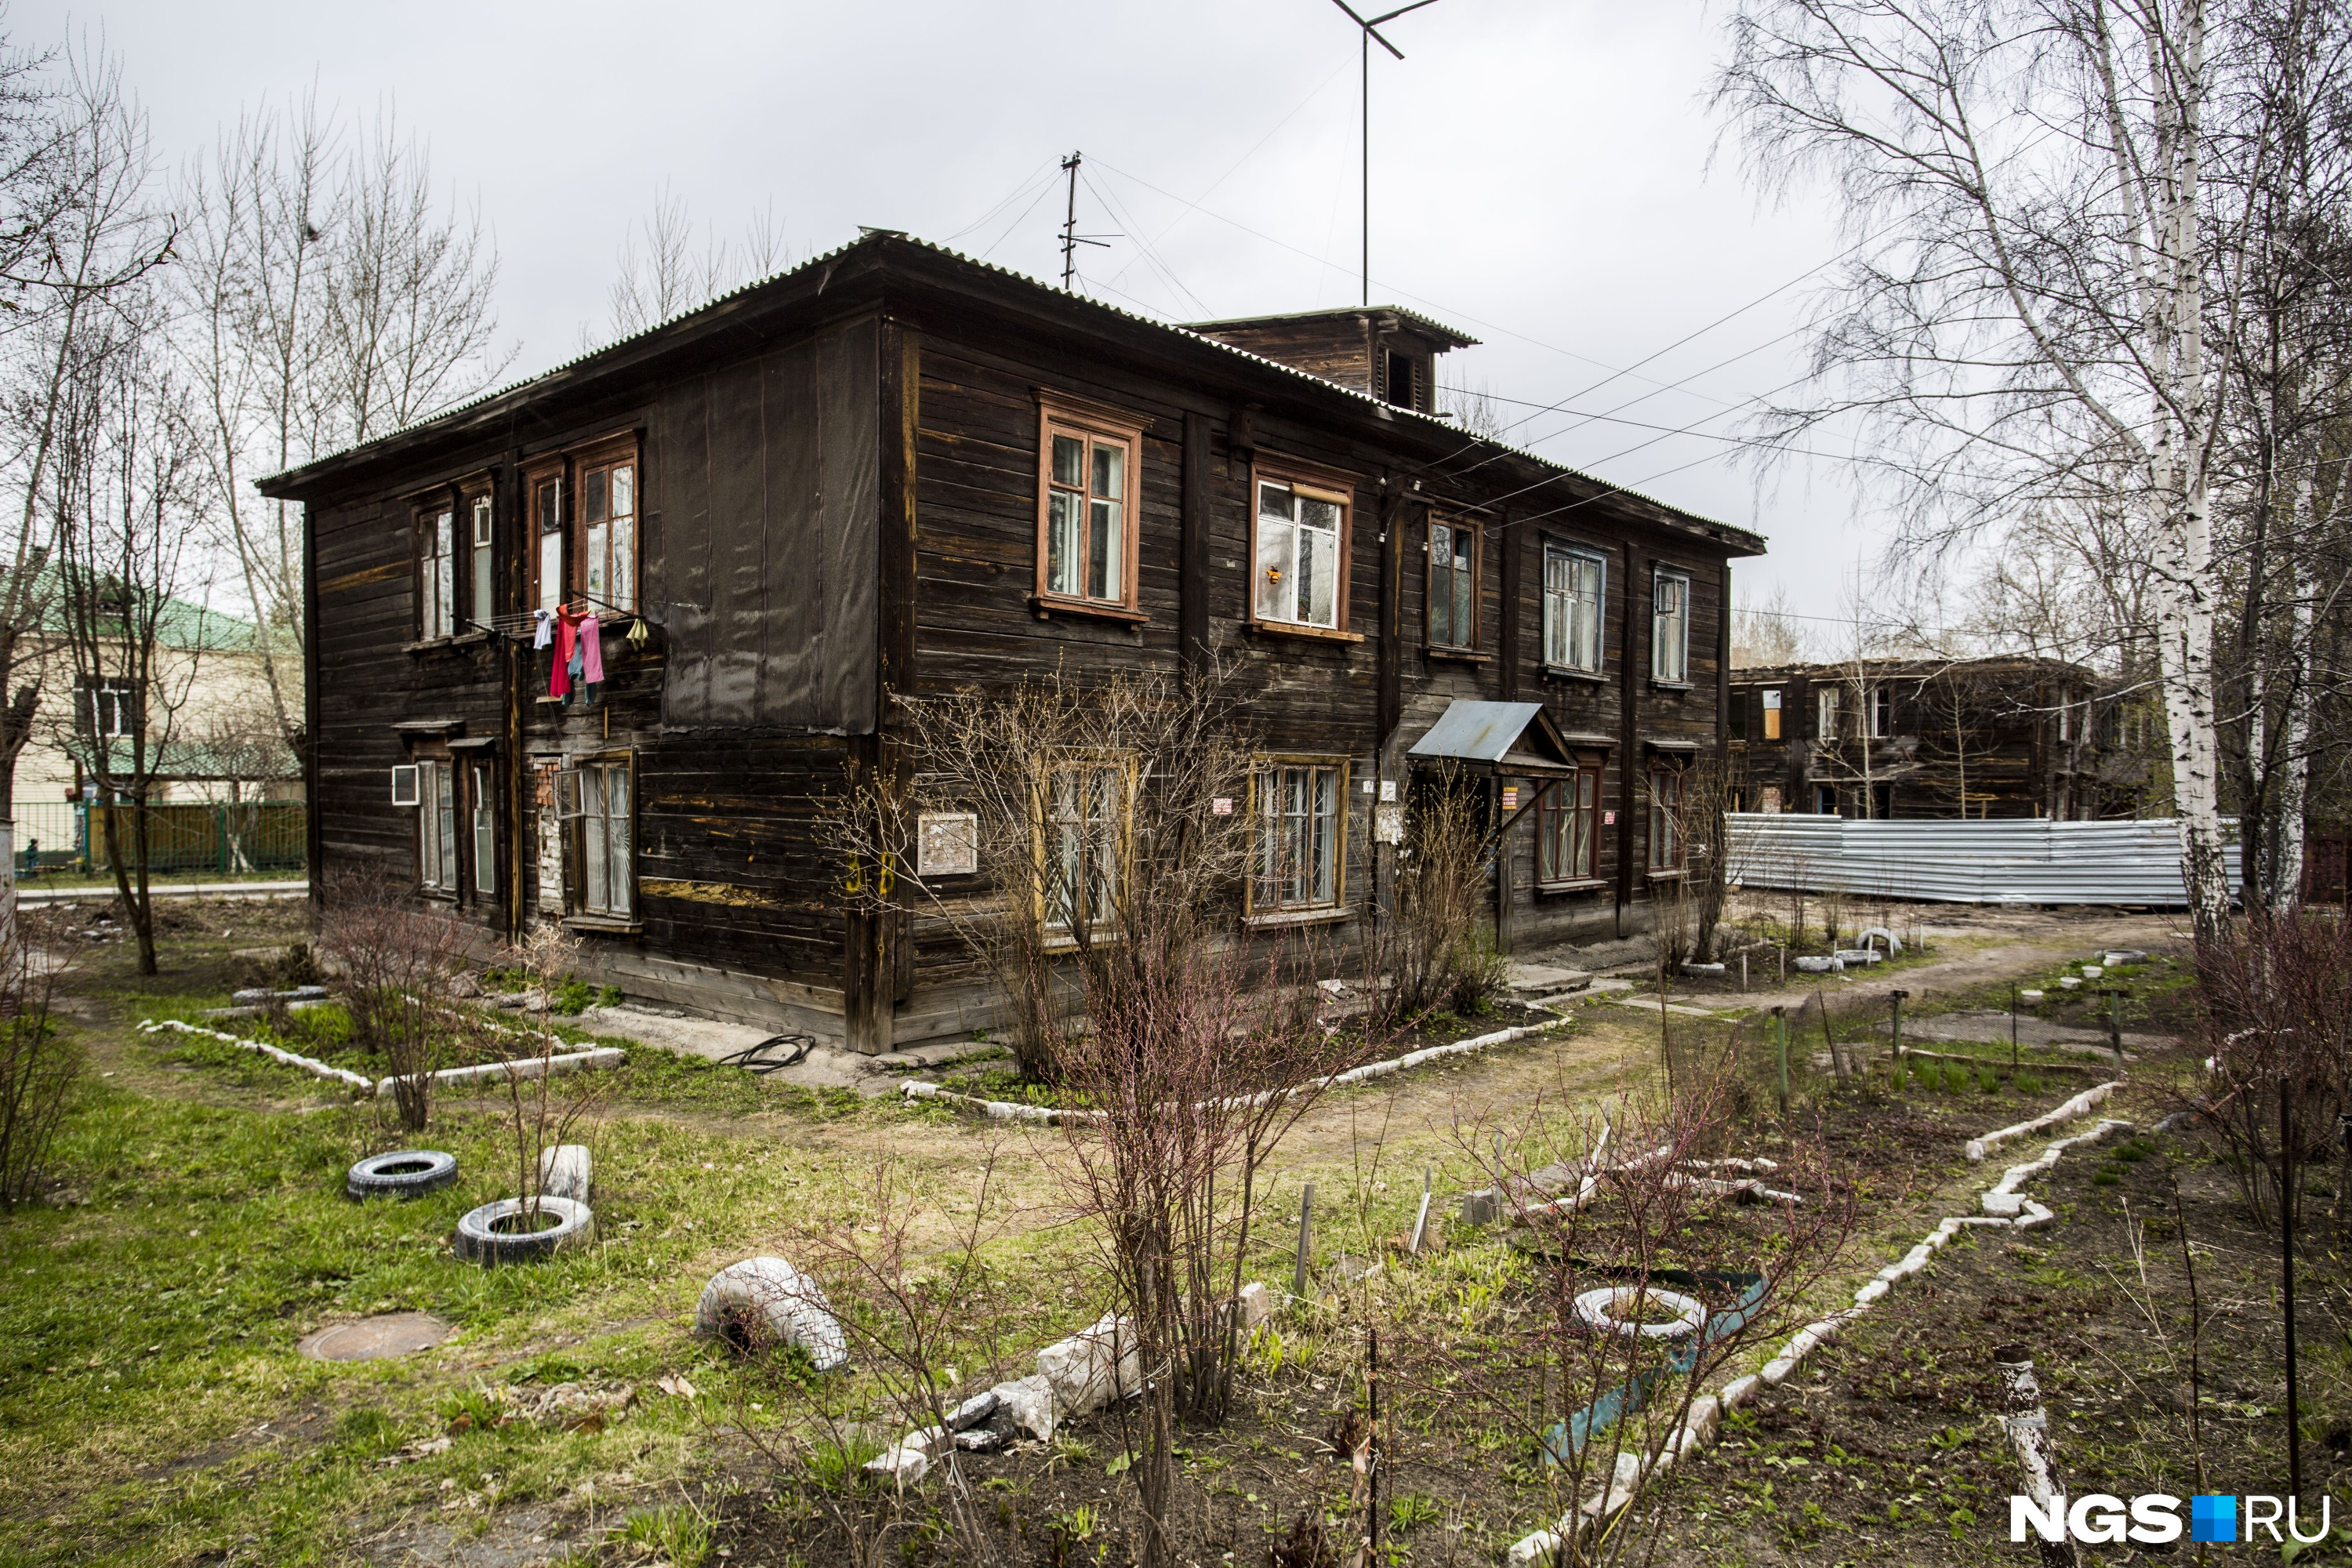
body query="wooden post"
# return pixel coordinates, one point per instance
(2286, 1283)
(2029, 1432)
(2012, 1028)
(1896, 997)
(1420, 1220)
(2115, 1024)
(1306, 1233)
(1781, 1039)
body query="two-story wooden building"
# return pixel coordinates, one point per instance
(896, 469)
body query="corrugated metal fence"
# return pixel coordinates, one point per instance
(2026, 861)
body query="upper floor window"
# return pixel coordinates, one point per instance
(1404, 374)
(1087, 537)
(584, 524)
(1670, 626)
(1882, 712)
(480, 573)
(1571, 608)
(1301, 810)
(1772, 714)
(114, 709)
(608, 532)
(436, 572)
(1825, 713)
(1301, 552)
(547, 528)
(1735, 716)
(1453, 584)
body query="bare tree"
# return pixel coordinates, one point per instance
(663, 275)
(1768, 633)
(126, 495)
(393, 959)
(2052, 200)
(327, 296)
(77, 231)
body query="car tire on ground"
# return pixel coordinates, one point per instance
(481, 1236)
(403, 1174)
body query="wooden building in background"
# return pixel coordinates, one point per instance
(1935, 738)
(897, 470)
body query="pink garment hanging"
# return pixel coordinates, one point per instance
(592, 642)
(559, 680)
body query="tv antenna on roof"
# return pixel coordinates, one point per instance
(1371, 34)
(1071, 237)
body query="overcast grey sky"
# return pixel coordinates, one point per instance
(1540, 174)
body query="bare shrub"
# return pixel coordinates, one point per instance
(37, 1063)
(1439, 950)
(544, 1109)
(2276, 998)
(1629, 1199)
(393, 959)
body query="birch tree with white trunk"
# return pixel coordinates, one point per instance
(2049, 201)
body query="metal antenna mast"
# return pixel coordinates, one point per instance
(1071, 237)
(1371, 35)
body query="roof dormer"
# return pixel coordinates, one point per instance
(1383, 351)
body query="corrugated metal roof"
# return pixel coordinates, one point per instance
(1455, 335)
(1472, 732)
(833, 258)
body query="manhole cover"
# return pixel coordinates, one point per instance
(373, 1339)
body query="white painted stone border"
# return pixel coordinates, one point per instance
(1978, 1148)
(1049, 1116)
(526, 1066)
(308, 1064)
(2003, 1205)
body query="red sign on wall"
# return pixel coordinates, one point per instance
(1608, 819)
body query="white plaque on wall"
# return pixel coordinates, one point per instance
(947, 844)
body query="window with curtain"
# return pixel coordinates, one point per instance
(1085, 543)
(608, 533)
(1301, 817)
(1568, 828)
(436, 828)
(1301, 550)
(1571, 608)
(596, 801)
(1082, 833)
(1453, 584)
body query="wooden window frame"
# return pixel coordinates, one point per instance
(1882, 710)
(1551, 810)
(1098, 425)
(574, 817)
(536, 530)
(1773, 706)
(482, 820)
(1571, 549)
(1262, 767)
(434, 529)
(604, 454)
(1064, 935)
(1660, 575)
(438, 872)
(1318, 484)
(1457, 527)
(1829, 703)
(1666, 809)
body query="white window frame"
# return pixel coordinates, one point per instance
(1825, 713)
(1275, 885)
(114, 709)
(1283, 534)
(1882, 712)
(1670, 625)
(1572, 616)
(436, 828)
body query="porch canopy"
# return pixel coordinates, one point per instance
(1512, 738)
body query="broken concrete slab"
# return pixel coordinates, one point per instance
(1544, 979)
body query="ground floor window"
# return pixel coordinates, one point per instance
(486, 834)
(1568, 828)
(436, 828)
(1825, 800)
(596, 799)
(1301, 817)
(1666, 846)
(1081, 830)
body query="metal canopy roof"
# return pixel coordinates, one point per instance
(1489, 735)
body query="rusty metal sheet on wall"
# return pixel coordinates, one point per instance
(769, 476)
